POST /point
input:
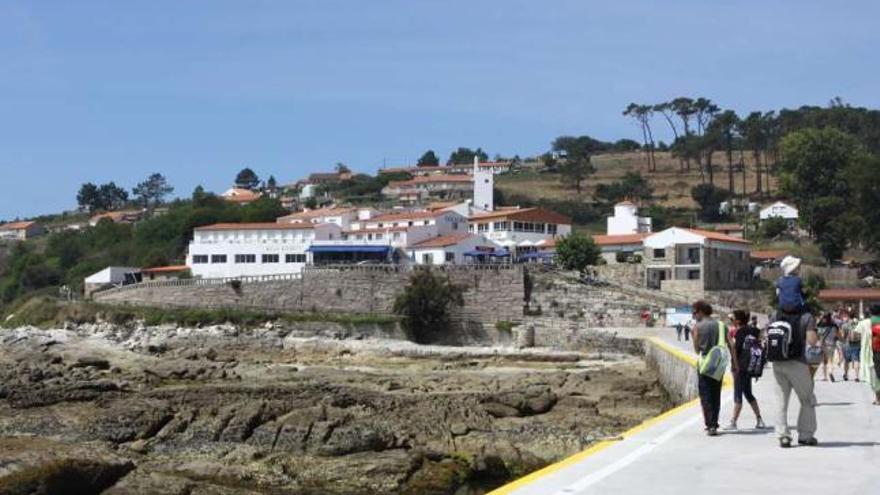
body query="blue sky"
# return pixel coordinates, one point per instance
(109, 90)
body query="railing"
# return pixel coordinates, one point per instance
(195, 282)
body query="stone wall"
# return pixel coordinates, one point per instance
(492, 293)
(677, 370)
(623, 273)
(724, 269)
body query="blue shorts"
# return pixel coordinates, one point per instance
(851, 352)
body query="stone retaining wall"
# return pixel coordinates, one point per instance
(677, 372)
(492, 293)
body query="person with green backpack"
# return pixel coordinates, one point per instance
(712, 346)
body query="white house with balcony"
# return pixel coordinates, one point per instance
(521, 230)
(626, 220)
(342, 216)
(246, 249)
(690, 261)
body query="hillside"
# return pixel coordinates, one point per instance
(671, 186)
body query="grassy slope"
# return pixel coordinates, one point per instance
(671, 186)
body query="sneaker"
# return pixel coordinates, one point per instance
(809, 442)
(712, 432)
(760, 424)
(731, 426)
(831, 375)
(785, 442)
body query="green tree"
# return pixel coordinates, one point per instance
(814, 165)
(863, 177)
(632, 186)
(773, 227)
(577, 252)
(112, 197)
(247, 179)
(709, 198)
(464, 156)
(271, 184)
(426, 304)
(342, 168)
(642, 114)
(89, 198)
(429, 159)
(575, 171)
(152, 190)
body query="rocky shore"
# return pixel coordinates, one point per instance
(110, 409)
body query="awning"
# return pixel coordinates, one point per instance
(533, 256)
(349, 249)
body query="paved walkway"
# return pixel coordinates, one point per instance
(672, 455)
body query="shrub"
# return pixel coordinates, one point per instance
(426, 302)
(577, 252)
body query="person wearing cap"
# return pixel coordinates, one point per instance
(790, 288)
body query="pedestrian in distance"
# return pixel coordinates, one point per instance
(687, 330)
(829, 334)
(712, 346)
(678, 330)
(746, 364)
(869, 329)
(852, 345)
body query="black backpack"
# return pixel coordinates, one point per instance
(779, 341)
(756, 354)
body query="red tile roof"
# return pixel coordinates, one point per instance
(16, 225)
(613, 240)
(524, 215)
(717, 236)
(165, 269)
(770, 254)
(442, 241)
(849, 294)
(320, 212)
(258, 226)
(430, 179)
(375, 230)
(409, 215)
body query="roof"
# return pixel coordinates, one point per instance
(780, 203)
(769, 254)
(625, 203)
(410, 215)
(325, 176)
(427, 179)
(116, 215)
(402, 228)
(16, 225)
(165, 269)
(258, 226)
(440, 205)
(849, 294)
(319, 212)
(524, 214)
(717, 236)
(614, 240)
(442, 241)
(240, 195)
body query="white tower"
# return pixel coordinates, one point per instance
(484, 183)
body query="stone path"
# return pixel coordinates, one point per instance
(672, 455)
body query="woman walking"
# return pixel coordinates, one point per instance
(741, 343)
(870, 356)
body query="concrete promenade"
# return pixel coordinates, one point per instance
(671, 454)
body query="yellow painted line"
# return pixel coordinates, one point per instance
(604, 444)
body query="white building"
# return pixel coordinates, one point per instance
(20, 231)
(112, 275)
(627, 221)
(448, 249)
(521, 230)
(342, 216)
(782, 210)
(484, 185)
(244, 249)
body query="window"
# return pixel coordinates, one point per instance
(379, 237)
(200, 258)
(482, 227)
(270, 258)
(693, 274)
(501, 226)
(659, 253)
(245, 258)
(552, 228)
(427, 259)
(450, 257)
(218, 258)
(396, 236)
(454, 225)
(294, 258)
